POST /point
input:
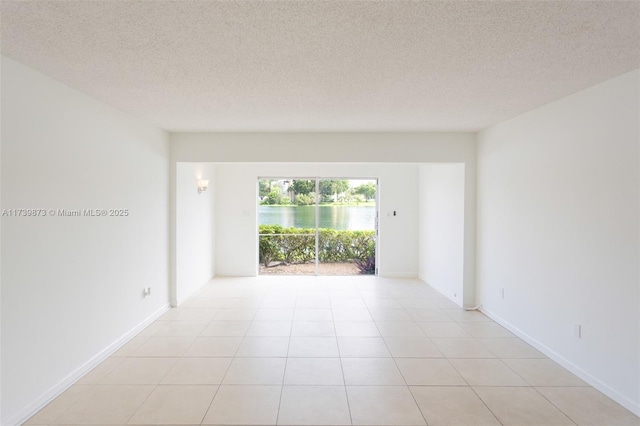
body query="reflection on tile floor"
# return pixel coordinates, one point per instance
(328, 351)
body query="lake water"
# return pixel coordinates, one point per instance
(354, 218)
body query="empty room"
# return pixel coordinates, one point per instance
(317, 212)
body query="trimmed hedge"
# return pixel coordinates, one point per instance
(278, 244)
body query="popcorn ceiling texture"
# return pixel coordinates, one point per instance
(324, 65)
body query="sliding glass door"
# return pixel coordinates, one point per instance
(317, 226)
(346, 227)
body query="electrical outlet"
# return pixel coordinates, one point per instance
(146, 291)
(577, 331)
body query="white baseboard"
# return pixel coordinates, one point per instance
(630, 405)
(448, 296)
(451, 298)
(72, 378)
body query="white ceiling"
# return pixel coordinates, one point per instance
(324, 65)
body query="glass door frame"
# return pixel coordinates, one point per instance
(317, 215)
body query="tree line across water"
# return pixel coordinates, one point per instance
(302, 192)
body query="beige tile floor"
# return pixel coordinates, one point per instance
(328, 351)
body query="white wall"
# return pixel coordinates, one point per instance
(441, 230)
(195, 226)
(558, 229)
(72, 286)
(236, 212)
(1, 207)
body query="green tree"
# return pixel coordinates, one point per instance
(367, 190)
(274, 197)
(340, 186)
(264, 187)
(303, 186)
(326, 187)
(333, 187)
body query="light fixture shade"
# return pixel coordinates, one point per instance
(203, 184)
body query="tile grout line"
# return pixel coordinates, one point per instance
(204, 416)
(554, 405)
(396, 363)
(344, 381)
(286, 361)
(474, 391)
(226, 371)
(92, 386)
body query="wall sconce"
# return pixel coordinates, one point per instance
(202, 185)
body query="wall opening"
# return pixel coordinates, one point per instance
(317, 226)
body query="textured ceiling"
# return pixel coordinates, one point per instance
(324, 65)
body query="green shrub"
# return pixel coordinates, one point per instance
(269, 245)
(367, 266)
(298, 248)
(278, 244)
